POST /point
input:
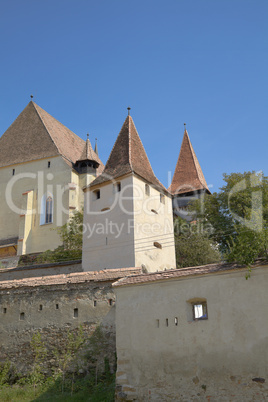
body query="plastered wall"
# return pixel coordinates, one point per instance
(127, 228)
(21, 199)
(205, 360)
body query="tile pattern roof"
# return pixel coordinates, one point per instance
(188, 175)
(179, 273)
(73, 278)
(89, 154)
(34, 135)
(128, 156)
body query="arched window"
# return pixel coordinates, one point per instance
(49, 206)
(46, 212)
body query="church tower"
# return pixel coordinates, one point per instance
(128, 220)
(188, 182)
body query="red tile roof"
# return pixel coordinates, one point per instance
(34, 135)
(188, 175)
(179, 273)
(128, 156)
(74, 278)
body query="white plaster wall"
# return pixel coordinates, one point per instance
(153, 221)
(222, 353)
(124, 235)
(108, 240)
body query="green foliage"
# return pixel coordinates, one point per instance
(39, 353)
(71, 233)
(5, 373)
(193, 245)
(68, 355)
(239, 216)
(59, 254)
(68, 383)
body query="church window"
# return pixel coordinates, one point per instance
(95, 303)
(22, 316)
(46, 213)
(96, 194)
(110, 302)
(176, 321)
(4, 310)
(13, 172)
(147, 189)
(162, 198)
(166, 322)
(40, 307)
(57, 306)
(49, 205)
(75, 312)
(48, 164)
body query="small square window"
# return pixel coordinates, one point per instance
(95, 303)
(13, 172)
(22, 316)
(48, 164)
(75, 312)
(200, 311)
(96, 194)
(4, 310)
(40, 307)
(57, 306)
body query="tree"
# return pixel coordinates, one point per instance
(239, 216)
(71, 233)
(193, 245)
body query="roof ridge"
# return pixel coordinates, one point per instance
(34, 105)
(129, 141)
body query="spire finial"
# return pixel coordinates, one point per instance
(129, 108)
(96, 147)
(184, 126)
(31, 97)
(87, 136)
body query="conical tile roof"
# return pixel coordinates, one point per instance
(128, 156)
(188, 175)
(35, 134)
(89, 154)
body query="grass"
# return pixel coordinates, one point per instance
(84, 391)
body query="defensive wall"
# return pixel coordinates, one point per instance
(50, 300)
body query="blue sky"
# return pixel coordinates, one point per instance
(199, 62)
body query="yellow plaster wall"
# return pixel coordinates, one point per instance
(36, 179)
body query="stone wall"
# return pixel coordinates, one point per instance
(54, 305)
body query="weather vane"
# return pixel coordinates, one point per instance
(129, 108)
(31, 96)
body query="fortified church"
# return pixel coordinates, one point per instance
(196, 333)
(44, 168)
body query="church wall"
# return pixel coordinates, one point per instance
(153, 221)
(164, 354)
(108, 240)
(54, 319)
(34, 179)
